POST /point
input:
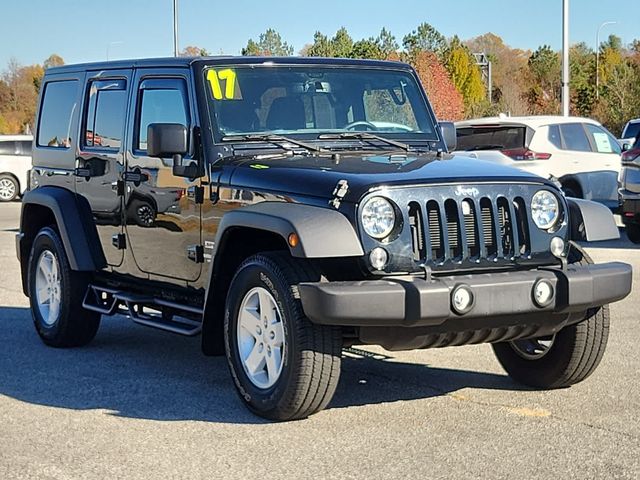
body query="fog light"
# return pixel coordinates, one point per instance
(462, 299)
(557, 246)
(543, 293)
(378, 258)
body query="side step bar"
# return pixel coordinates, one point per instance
(145, 310)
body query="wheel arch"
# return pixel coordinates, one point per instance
(573, 181)
(322, 233)
(591, 221)
(72, 218)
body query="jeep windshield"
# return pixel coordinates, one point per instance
(341, 104)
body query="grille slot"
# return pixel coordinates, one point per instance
(466, 229)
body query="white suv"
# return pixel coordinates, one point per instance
(578, 152)
(15, 162)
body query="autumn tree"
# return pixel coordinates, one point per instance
(464, 73)
(446, 100)
(53, 60)
(269, 43)
(543, 93)
(193, 51)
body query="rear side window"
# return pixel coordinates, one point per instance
(161, 101)
(104, 121)
(574, 137)
(8, 148)
(602, 140)
(26, 148)
(491, 137)
(58, 105)
(554, 136)
(631, 130)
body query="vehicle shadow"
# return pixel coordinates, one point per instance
(136, 372)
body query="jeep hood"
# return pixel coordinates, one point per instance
(318, 176)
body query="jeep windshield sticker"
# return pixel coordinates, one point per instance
(224, 84)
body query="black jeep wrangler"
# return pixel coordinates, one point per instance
(286, 208)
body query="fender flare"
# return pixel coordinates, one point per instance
(591, 221)
(74, 220)
(322, 232)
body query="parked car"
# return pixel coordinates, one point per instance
(630, 133)
(15, 162)
(577, 152)
(318, 209)
(630, 191)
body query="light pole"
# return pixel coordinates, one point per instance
(119, 42)
(598, 56)
(175, 28)
(565, 58)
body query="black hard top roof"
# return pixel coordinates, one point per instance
(222, 60)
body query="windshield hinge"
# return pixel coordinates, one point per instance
(199, 194)
(342, 187)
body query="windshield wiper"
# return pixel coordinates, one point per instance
(366, 136)
(278, 140)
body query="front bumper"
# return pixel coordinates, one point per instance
(415, 302)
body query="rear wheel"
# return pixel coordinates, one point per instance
(55, 295)
(284, 367)
(9, 188)
(563, 359)
(633, 232)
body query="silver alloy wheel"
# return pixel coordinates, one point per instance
(533, 348)
(48, 287)
(260, 338)
(7, 189)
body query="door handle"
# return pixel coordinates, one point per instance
(136, 177)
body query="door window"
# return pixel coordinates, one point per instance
(104, 120)
(602, 140)
(574, 137)
(161, 101)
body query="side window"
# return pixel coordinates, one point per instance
(58, 105)
(554, 136)
(162, 101)
(26, 148)
(602, 140)
(104, 117)
(8, 148)
(574, 137)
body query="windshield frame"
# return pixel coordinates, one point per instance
(433, 140)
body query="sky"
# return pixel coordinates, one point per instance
(90, 30)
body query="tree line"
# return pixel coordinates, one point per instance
(524, 82)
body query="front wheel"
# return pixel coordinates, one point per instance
(55, 295)
(563, 359)
(284, 367)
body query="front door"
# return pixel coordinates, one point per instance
(162, 216)
(100, 158)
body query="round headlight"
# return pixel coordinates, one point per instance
(545, 209)
(378, 217)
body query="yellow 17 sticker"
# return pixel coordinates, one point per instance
(228, 76)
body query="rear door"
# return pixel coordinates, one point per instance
(162, 216)
(100, 157)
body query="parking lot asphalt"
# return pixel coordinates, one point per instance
(138, 403)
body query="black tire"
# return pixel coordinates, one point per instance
(633, 232)
(73, 326)
(575, 353)
(10, 188)
(143, 212)
(311, 361)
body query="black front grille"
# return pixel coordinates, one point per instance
(459, 229)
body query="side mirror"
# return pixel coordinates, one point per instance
(626, 147)
(448, 130)
(170, 140)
